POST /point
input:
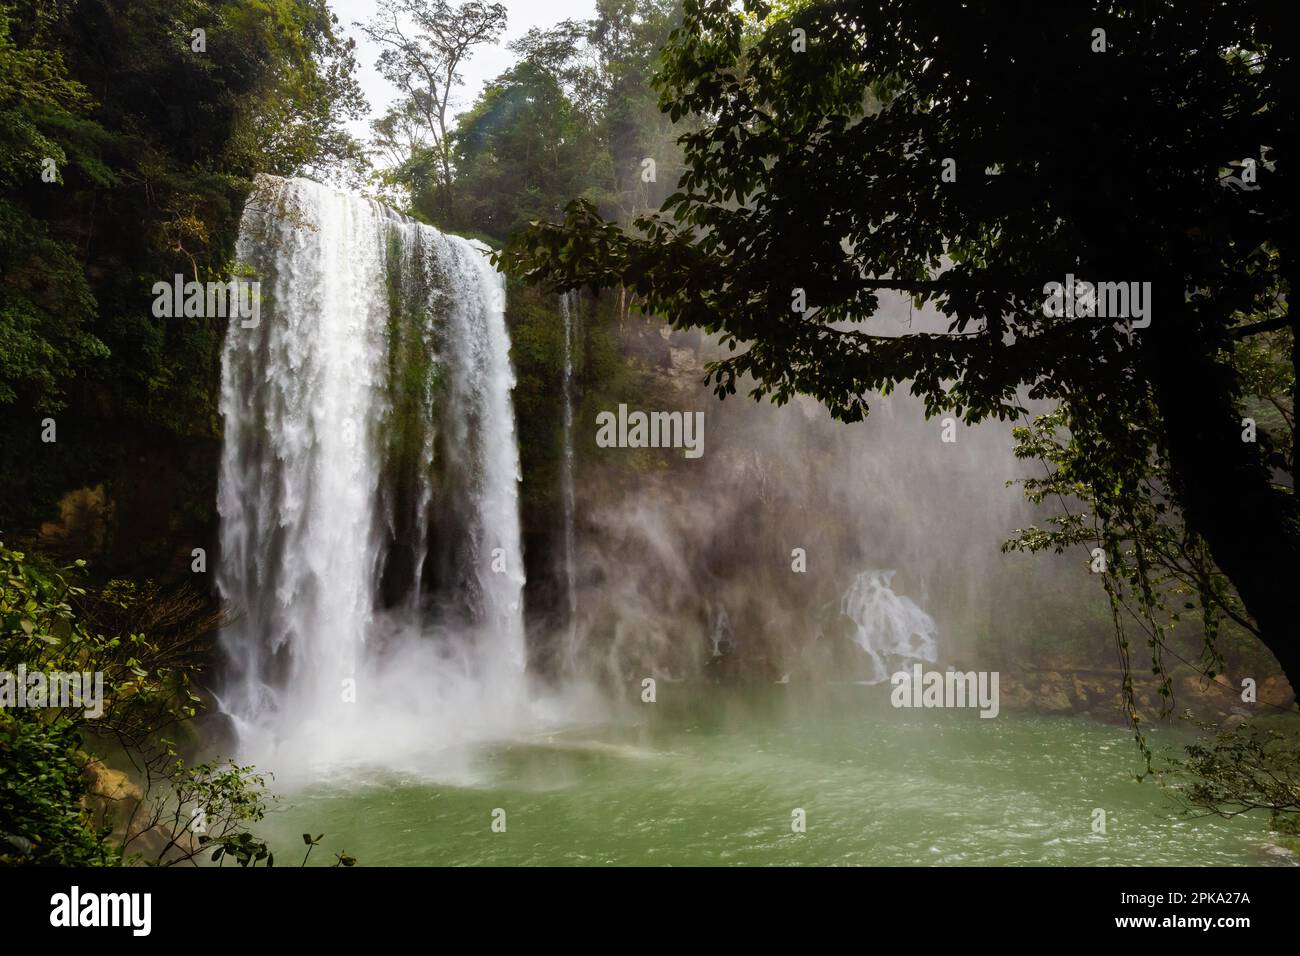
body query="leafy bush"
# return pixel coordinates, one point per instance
(146, 645)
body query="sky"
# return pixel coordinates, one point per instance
(486, 63)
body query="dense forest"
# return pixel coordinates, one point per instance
(658, 184)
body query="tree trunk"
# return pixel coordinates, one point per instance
(1223, 486)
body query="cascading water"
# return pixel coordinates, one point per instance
(368, 494)
(720, 634)
(889, 627)
(567, 308)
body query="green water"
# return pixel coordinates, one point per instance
(714, 782)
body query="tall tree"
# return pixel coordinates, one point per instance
(425, 43)
(521, 153)
(969, 155)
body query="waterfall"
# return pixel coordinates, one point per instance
(368, 493)
(889, 627)
(568, 305)
(721, 631)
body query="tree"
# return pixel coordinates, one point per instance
(603, 67)
(521, 152)
(46, 308)
(127, 158)
(1110, 142)
(423, 58)
(398, 133)
(626, 36)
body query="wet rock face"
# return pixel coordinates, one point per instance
(1098, 693)
(1277, 691)
(1053, 694)
(112, 800)
(85, 515)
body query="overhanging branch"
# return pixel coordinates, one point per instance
(1271, 325)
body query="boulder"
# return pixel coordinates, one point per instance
(111, 797)
(1053, 697)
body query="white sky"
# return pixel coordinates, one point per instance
(486, 63)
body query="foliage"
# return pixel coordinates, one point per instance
(147, 657)
(153, 146)
(1146, 557)
(574, 116)
(340, 859)
(42, 821)
(201, 808)
(45, 310)
(146, 684)
(521, 152)
(1242, 770)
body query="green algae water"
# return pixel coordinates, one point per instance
(715, 776)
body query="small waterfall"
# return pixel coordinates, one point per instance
(368, 494)
(721, 631)
(568, 307)
(890, 628)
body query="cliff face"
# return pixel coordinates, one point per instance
(1096, 691)
(133, 505)
(735, 565)
(731, 559)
